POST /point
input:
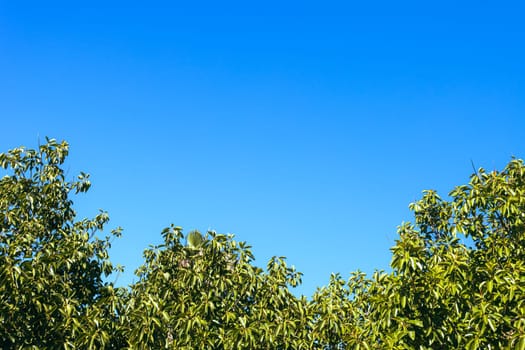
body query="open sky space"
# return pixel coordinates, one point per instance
(304, 128)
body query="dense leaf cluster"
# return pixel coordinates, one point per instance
(457, 279)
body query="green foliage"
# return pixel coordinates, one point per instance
(52, 293)
(195, 239)
(213, 297)
(457, 279)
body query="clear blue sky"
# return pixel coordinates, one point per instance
(305, 129)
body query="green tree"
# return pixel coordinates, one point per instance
(457, 279)
(52, 292)
(208, 295)
(458, 274)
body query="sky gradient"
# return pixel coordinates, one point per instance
(304, 129)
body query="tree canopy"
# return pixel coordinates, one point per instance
(457, 278)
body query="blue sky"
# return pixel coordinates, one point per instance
(303, 128)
